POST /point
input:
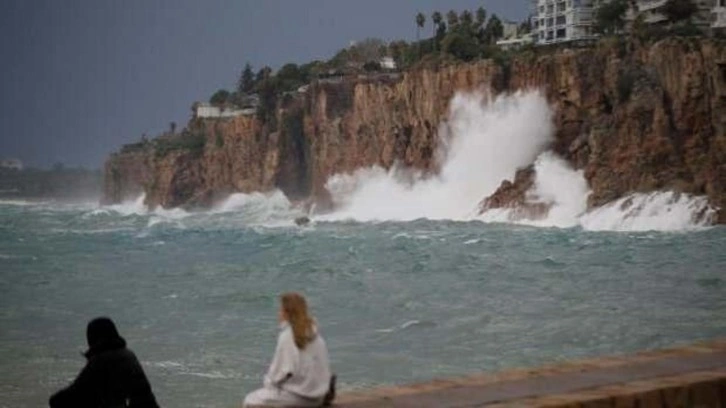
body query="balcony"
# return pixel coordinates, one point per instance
(654, 18)
(646, 5)
(718, 17)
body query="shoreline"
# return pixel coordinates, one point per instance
(692, 375)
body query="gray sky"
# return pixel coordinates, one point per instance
(79, 78)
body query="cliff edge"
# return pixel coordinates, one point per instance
(635, 118)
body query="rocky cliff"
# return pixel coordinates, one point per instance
(636, 118)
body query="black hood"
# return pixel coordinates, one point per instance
(102, 335)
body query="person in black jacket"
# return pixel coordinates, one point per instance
(112, 376)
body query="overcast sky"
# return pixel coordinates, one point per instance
(79, 78)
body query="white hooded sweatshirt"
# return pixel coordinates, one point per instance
(306, 372)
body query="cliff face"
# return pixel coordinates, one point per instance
(634, 118)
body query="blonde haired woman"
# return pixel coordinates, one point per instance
(299, 375)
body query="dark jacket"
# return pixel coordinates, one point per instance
(112, 376)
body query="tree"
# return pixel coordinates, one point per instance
(220, 97)
(370, 49)
(246, 81)
(372, 66)
(268, 93)
(494, 29)
(436, 20)
(462, 44)
(466, 18)
(420, 21)
(289, 77)
(452, 19)
(679, 10)
(172, 127)
(440, 32)
(481, 17)
(399, 49)
(263, 74)
(639, 29)
(610, 17)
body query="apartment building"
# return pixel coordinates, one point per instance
(563, 20)
(718, 15)
(652, 11)
(557, 21)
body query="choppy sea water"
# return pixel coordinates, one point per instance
(398, 302)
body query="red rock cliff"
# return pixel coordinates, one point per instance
(635, 118)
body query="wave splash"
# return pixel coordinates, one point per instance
(237, 210)
(485, 141)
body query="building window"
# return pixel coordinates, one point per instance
(550, 35)
(550, 8)
(549, 22)
(561, 20)
(561, 7)
(541, 9)
(562, 33)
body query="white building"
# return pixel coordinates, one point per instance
(387, 63)
(205, 110)
(557, 21)
(510, 29)
(516, 42)
(718, 15)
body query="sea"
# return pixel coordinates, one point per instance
(407, 280)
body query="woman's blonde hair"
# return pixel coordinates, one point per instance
(296, 312)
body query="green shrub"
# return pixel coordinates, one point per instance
(220, 98)
(192, 142)
(134, 147)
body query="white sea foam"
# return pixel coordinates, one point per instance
(483, 143)
(271, 209)
(138, 207)
(261, 203)
(18, 203)
(658, 211)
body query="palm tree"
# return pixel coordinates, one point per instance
(420, 21)
(436, 19)
(452, 18)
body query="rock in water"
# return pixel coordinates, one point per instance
(302, 221)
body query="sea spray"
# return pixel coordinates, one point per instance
(558, 188)
(138, 207)
(485, 142)
(657, 211)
